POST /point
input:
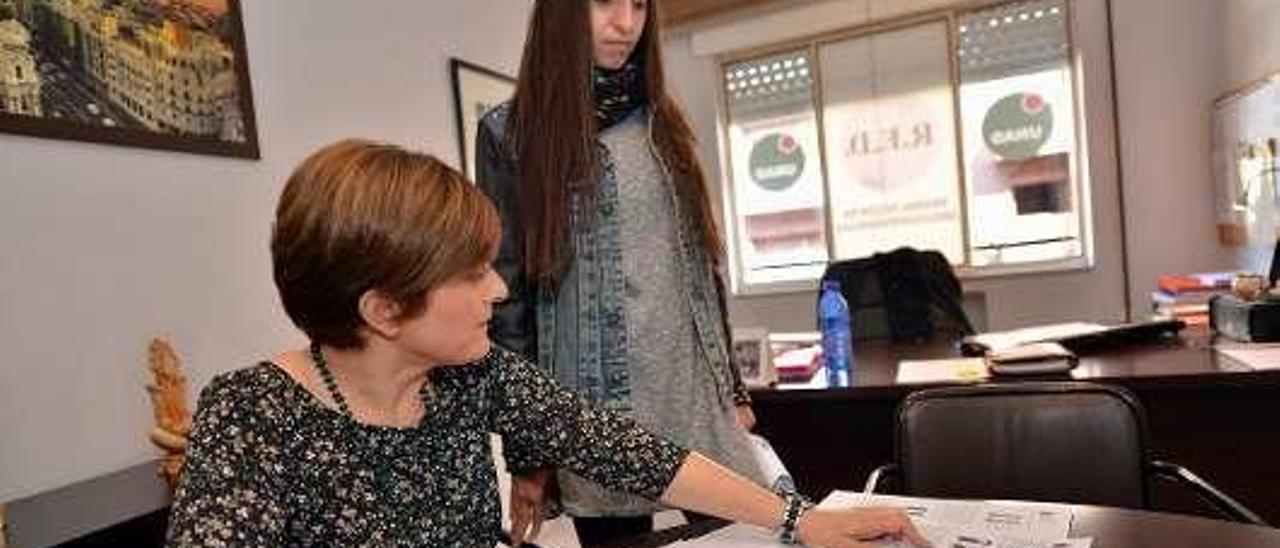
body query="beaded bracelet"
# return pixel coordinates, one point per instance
(796, 505)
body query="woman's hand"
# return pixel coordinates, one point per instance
(528, 496)
(857, 527)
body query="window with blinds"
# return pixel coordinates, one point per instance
(954, 132)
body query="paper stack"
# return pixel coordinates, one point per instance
(975, 524)
(946, 523)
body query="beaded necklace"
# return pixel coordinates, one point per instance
(382, 465)
(331, 384)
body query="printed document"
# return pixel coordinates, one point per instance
(1003, 340)
(1259, 356)
(943, 370)
(946, 523)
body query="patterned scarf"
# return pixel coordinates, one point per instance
(618, 93)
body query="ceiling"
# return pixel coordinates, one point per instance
(680, 12)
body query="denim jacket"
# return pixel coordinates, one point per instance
(577, 328)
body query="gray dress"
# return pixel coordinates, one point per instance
(672, 388)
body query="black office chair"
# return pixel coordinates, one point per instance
(1048, 441)
(902, 295)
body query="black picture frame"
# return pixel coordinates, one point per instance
(476, 89)
(750, 353)
(171, 77)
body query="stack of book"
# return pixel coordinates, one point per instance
(1186, 296)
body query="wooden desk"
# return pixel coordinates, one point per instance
(1109, 527)
(1204, 411)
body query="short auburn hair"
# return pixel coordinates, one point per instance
(358, 216)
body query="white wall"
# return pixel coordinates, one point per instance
(1095, 294)
(106, 246)
(1168, 58)
(1251, 45)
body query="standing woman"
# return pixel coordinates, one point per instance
(610, 248)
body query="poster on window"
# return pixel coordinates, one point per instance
(778, 192)
(890, 143)
(894, 176)
(1018, 141)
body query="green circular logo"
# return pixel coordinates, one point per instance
(777, 161)
(1018, 125)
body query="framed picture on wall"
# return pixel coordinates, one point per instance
(170, 75)
(750, 354)
(475, 90)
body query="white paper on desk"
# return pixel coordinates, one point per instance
(1001, 340)
(951, 536)
(945, 370)
(941, 535)
(1257, 356)
(1007, 520)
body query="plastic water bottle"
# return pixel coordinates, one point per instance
(833, 319)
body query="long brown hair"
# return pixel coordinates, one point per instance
(552, 131)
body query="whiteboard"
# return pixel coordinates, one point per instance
(1246, 130)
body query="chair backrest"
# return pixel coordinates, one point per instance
(904, 294)
(1049, 441)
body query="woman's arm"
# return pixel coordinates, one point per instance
(231, 491)
(704, 486)
(543, 424)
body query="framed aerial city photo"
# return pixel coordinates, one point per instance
(167, 74)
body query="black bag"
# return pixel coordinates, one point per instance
(904, 294)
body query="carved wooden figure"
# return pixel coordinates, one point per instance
(168, 390)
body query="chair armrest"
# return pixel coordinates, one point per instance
(1207, 492)
(879, 474)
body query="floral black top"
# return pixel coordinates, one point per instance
(270, 465)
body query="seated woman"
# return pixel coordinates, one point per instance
(378, 433)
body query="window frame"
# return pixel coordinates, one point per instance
(811, 45)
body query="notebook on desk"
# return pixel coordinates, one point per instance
(1078, 337)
